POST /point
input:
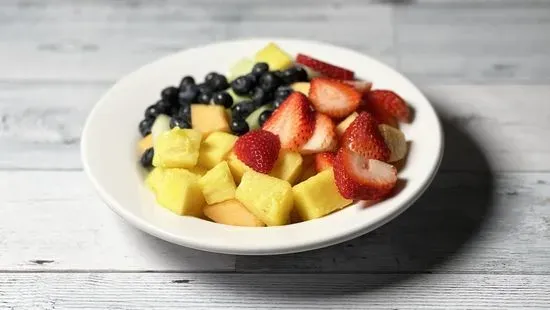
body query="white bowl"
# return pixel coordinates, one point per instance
(110, 160)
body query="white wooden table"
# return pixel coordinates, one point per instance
(478, 239)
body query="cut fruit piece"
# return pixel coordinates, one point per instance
(379, 113)
(293, 122)
(178, 191)
(324, 161)
(236, 98)
(232, 212)
(308, 168)
(237, 167)
(302, 87)
(363, 137)
(160, 125)
(145, 143)
(363, 179)
(198, 170)
(345, 124)
(324, 68)
(274, 56)
(361, 86)
(217, 184)
(287, 167)
(177, 148)
(214, 148)
(307, 194)
(268, 198)
(252, 119)
(323, 138)
(395, 140)
(209, 118)
(333, 98)
(391, 103)
(258, 149)
(154, 178)
(241, 67)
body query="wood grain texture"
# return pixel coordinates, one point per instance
(207, 291)
(465, 223)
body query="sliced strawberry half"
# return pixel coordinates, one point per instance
(333, 98)
(361, 86)
(379, 113)
(293, 122)
(363, 137)
(323, 138)
(324, 68)
(390, 102)
(258, 149)
(324, 160)
(362, 179)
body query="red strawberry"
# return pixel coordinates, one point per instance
(258, 149)
(324, 68)
(324, 161)
(390, 102)
(333, 98)
(380, 114)
(360, 86)
(362, 179)
(293, 122)
(323, 138)
(363, 137)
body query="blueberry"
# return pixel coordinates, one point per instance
(204, 98)
(260, 68)
(205, 89)
(187, 80)
(260, 96)
(264, 116)
(173, 110)
(239, 126)
(163, 106)
(188, 93)
(243, 109)
(219, 82)
(146, 159)
(184, 113)
(269, 81)
(179, 122)
(210, 76)
(242, 85)
(224, 99)
(170, 94)
(152, 111)
(277, 102)
(145, 126)
(253, 79)
(301, 75)
(290, 75)
(283, 92)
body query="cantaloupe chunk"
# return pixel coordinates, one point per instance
(302, 87)
(145, 143)
(231, 212)
(209, 118)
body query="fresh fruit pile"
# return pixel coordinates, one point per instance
(278, 141)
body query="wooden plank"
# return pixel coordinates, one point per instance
(474, 41)
(103, 40)
(485, 126)
(52, 220)
(293, 291)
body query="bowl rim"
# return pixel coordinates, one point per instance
(335, 238)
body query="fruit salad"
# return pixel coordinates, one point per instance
(275, 141)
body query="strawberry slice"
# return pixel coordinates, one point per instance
(323, 138)
(333, 98)
(324, 68)
(324, 160)
(293, 122)
(363, 137)
(258, 149)
(361, 86)
(390, 102)
(359, 178)
(379, 113)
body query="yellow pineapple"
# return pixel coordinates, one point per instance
(302, 87)
(287, 167)
(237, 167)
(345, 123)
(215, 148)
(217, 184)
(177, 148)
(274, 56)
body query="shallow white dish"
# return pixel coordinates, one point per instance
(110, 160)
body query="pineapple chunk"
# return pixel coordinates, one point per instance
(237, 167)
(217, 184)
(345, 124)
(232, 212)
(209, 118)
(198, 170)
(302, 87)
(274, 56)
(287, 167)
(215, 148)
(177, 148)
(308, 168)
(268, 198)
(177, 190)
(318, 196)
(145, 143)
